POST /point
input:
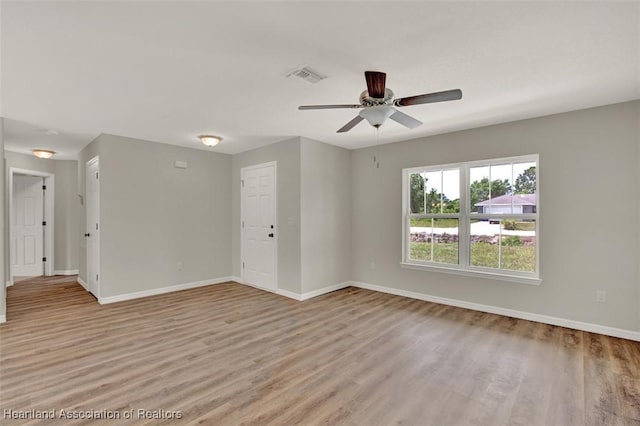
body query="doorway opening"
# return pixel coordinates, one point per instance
(31, 221)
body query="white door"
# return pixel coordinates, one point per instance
(27, 239)
(92, 235)
(259, 226)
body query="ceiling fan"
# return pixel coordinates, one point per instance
(377, 103)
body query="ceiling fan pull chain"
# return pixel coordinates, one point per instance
(377, 145)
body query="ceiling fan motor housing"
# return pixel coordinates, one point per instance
(367, 100)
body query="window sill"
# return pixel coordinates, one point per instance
(470, 273)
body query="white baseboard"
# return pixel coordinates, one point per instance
(289, 294)
(325, 290)
(66, 272)
(80, 281)
(562, 322)
(281, 292)
(162, 290)
(9, 283)
(294, 295)
(314, 293)
(3, 319)
(239, 281)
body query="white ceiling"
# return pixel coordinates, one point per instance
(168, 71)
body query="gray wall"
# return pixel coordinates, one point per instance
(287, 155)
(326, 215)
(154, 215)
(589, 209)
(67, 205)
(67, 214)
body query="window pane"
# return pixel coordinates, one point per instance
(445, 241)
(524, 186)
(484, 244)
(501, 190)
(518, 246)
(420, 240)
(432, 191)
(434, 240)
(507, 244)
(416, 193)
(451, 191)
(525, 178)
(479, 188)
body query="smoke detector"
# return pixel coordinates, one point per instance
(307, 74)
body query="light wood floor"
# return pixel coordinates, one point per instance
(231, 354)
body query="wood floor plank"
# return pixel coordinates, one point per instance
(231, 354)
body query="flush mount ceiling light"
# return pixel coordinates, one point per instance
(210, 140)
(43, 153)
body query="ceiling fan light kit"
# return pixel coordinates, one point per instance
(377, 115)
(377, 103)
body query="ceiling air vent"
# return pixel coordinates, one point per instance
(307, 74)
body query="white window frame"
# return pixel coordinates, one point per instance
(464, 222)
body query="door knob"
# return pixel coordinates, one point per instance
(270, 235)
(87, 234)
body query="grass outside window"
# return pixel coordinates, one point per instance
(514, 258)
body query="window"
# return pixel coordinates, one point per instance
(475, 218)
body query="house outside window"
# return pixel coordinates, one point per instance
(506, 204)
(476, 218)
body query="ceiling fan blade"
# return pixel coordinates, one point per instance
(305, 107)
(405, 120)
(375, 83)
(448, 95)
(350, 125)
